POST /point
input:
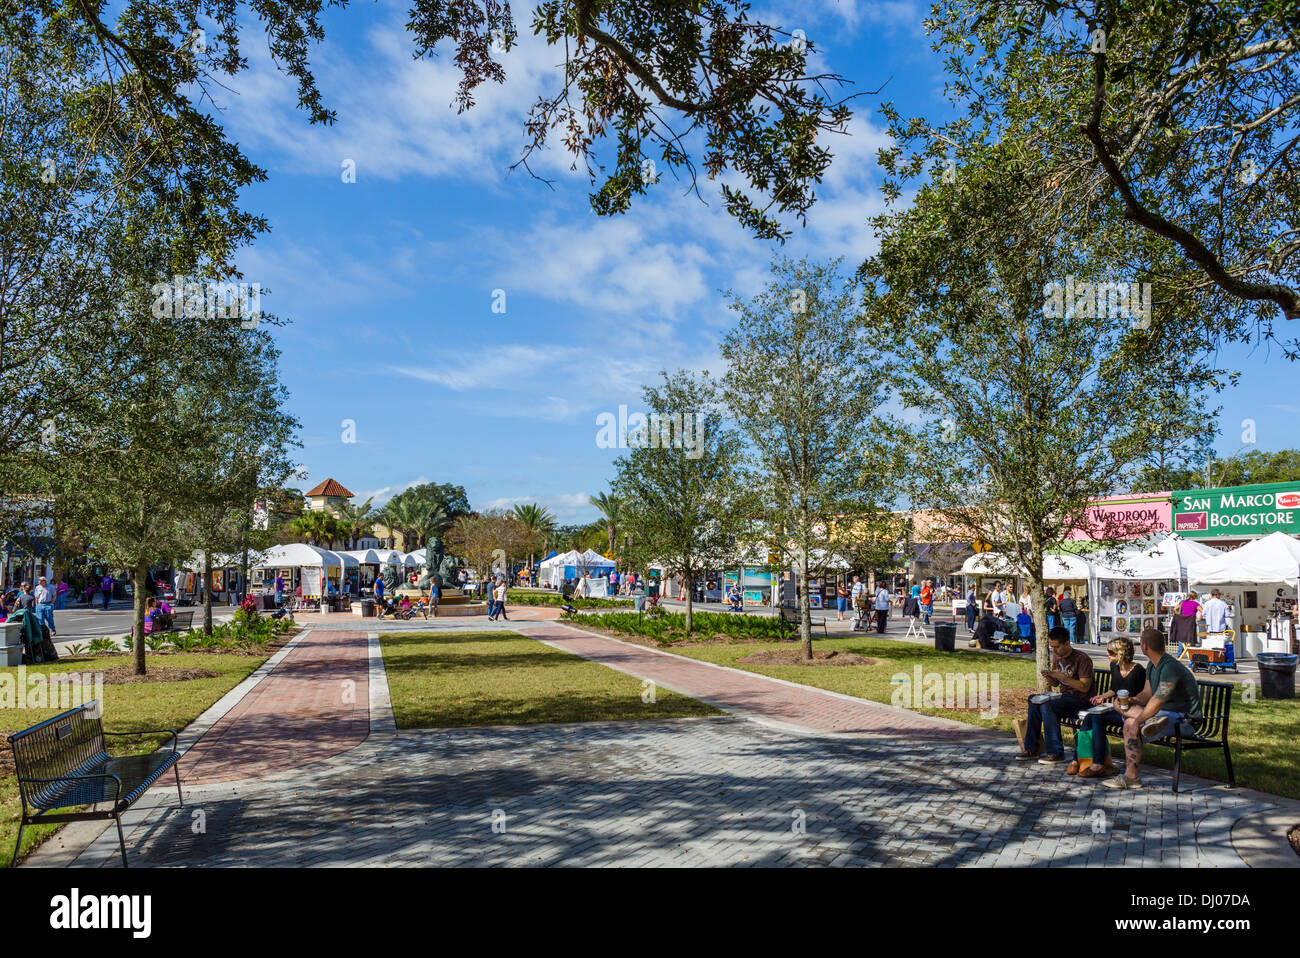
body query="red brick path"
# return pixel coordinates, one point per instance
(751, 695)
(316, 703)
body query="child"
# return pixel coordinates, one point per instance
(1025, 625)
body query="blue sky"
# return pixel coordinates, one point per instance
(388, 282)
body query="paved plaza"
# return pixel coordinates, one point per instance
(790, 776)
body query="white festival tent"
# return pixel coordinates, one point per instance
(298, 555)
(1159, 561)
(1274, 559)
(551, 571)
(1161, 556)
(1270, 566)
(1058, 568)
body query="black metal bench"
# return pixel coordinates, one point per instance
(790, 621)
(62, 763)
(180, 622)
(1216, 701)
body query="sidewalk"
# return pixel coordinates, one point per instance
(302, 765)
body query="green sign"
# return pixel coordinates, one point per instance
(1238, 511)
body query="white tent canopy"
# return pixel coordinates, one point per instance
(592, 560)
(1272, 559)
(1161, 556)
(1062, 565)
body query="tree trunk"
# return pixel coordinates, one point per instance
(207, 593)
(805, 611)
(690, 608)
(1043, 651)
(137, 635)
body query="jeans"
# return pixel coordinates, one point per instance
(61, 602)
(882, 615)
(1045, 723)
(108, 596)
(926, 612)
(45, 615)
(1051, 621)
(1098, 724)
(970, 616)
(1069, 621)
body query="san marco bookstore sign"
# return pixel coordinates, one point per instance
(1238, 512)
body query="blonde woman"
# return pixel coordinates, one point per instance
(1126, 676)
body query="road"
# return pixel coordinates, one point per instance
(80, 624)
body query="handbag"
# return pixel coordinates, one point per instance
(1083, 748)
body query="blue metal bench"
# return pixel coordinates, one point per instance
(62, 763)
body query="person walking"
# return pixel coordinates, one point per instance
(106, 587)
(379, 597)
(497, 608)
(1069, 612)
(435, 594)
(972, 607)
(44, 596)
(841, 600)
(882, 609)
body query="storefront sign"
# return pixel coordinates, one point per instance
(1127, 517)
(1239, 511)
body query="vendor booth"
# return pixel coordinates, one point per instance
(224, 581)
(315, 571)
(589, 568)
(1142, 585)
(1259, 582)
(1061, 571)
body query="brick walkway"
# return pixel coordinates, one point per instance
(789, 789)
(314, 705)
(755, 696)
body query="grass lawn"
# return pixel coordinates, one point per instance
(134, 705)
(450, 680)
(1263, 735)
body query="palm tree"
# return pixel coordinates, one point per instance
(318, 528)
(414, 520)
(538, 522)
(611, 511)
(357, 520)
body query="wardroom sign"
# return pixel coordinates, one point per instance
(1243, 511)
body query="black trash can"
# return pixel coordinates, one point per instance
(945, 636)
(367, 608)
(1277, 674)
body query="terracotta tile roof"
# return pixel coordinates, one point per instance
(330, 488)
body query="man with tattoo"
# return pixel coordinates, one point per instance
(1170, 696)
